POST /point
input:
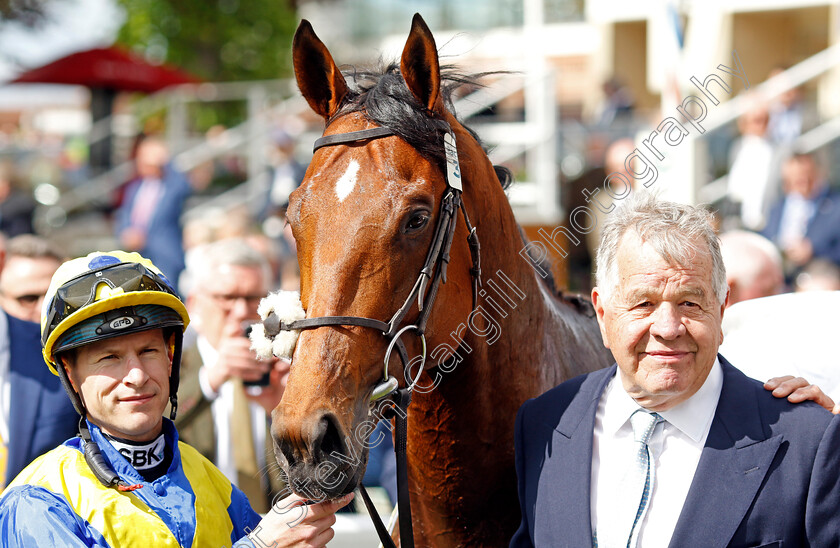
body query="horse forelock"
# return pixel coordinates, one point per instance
(383, 97)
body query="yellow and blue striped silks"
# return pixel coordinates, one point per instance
(57, 501)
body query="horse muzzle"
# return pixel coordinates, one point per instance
(319, 461)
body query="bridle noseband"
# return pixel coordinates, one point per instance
(431, 275)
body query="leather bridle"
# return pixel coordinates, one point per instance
(425, 290)
(426, 287)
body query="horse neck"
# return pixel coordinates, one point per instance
(527, 357)
(536, 323)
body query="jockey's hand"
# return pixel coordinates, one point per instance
(797, 390)
(292, 524)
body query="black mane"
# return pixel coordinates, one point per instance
(383, 98)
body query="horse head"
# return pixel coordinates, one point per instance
(365, 218)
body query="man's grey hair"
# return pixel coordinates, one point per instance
(203, 262)
(31, 246)
(674, 230)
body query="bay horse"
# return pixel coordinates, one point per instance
(364, 220)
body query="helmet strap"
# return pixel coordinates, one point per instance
(175, 376)
(68, 387)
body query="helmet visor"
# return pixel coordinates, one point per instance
(81, 291)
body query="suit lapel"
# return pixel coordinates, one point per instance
(734, 462)
(567, 470)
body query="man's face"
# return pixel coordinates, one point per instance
(228, 297)
(662, 324)
(151, 157)
(124, 383)
(800, 176)
(23, 283)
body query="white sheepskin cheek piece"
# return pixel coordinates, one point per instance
(288, 308)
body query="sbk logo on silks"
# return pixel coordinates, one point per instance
(141, 456)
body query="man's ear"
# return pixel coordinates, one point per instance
(598, 305)
(170, 349)
(731, 292)
(64, 362)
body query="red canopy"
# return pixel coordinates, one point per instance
(110, 68)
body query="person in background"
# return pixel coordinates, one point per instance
(31, 262)
(34, 416)
(223, 418)
(753, 266)
(752, 184)
(790, 115)
(284, 175)
(805, 222)
(112, 330)
(148, 220)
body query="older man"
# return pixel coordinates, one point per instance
(672, 446)
(220, 415)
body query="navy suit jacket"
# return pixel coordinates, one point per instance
(823, 230)
(769, 474)
(40, 414)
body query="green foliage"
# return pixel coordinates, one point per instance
(217, 40)
(27, 12)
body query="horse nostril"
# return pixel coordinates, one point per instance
(327, 439)
(284, 449)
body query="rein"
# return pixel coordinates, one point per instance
(425, 291)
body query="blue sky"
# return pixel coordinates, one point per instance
(74, 25)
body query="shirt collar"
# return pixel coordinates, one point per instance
(692, 417)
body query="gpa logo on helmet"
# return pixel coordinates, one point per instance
(122, 323)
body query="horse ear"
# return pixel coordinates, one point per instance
(420, 66)
(318, 77)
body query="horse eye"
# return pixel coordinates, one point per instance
(417, 221)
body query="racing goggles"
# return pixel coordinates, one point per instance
(80, 291)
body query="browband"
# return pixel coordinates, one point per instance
(361, 135)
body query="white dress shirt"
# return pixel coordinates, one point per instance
(675, 447)
(797, 212)
(222, 409)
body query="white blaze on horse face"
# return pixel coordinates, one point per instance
(347, 182)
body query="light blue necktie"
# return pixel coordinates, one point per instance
(619, 528)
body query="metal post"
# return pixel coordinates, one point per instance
(541, 114)
(257, 138)
(176, 122)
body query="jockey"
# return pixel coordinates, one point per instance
(111, 329)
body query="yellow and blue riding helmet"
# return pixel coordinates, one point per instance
(109, 294)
